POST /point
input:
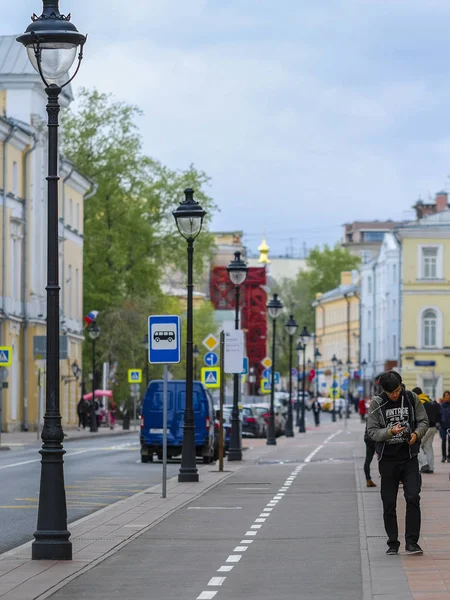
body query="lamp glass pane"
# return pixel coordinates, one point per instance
(291, 329)
(274, 311)
(94, 333)
(56, 60)
(189, 226)
(237, 277)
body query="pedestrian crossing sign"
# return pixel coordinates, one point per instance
(211, 377)
(5, 356)
(335, 393)
(265, 386)
(134, 375)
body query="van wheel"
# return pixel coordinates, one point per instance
(145, 458)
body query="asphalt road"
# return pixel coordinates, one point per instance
(98, 472)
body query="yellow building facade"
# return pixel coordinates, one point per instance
(337, 329)
(23, 248)
(425, 315)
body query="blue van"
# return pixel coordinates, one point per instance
(152, 421)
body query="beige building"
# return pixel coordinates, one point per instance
(23, 248)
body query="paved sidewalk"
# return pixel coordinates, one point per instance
(30, 438)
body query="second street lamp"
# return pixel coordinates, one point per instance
(52, 42)
(317, 357)
(189, 219)
(274, 308)
(94, 333)
(363, 375)
(237, 272)
(334, 362)
(304, 338)
(291, 328)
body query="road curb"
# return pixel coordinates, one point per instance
(365, 562)
(100, 436)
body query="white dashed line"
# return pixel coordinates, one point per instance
(216, 581)
(235, 558)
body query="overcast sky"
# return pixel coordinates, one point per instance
(305, 113)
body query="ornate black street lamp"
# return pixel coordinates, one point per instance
(195, 354)
(299, 350)
(291, 328)
(52, 42)
(94, 333)
(334, 362)
(145, 344)
(237, 272)
(304, 339)
(274, 308)
(189, 219)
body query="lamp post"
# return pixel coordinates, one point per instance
(145, 344)
(334, 362)
(94, 332)
(299, 350)
(52, 41)
(317, 357)
(195, 354)
(274, 308)
(291, 328)
(363, 373)
(304, 339)
(237, 272)
(189, 219)
(349, 386)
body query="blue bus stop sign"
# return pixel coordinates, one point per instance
(164, 339)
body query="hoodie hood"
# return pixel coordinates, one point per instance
(424, 398)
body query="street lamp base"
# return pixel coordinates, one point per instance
(234, 454)
(289, 434)
(271, 442)
(302, 429)
(188, 476)
(51, 545)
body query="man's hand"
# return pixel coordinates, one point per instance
(397, 428)
(412, 439)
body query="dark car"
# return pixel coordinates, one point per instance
(251, 422)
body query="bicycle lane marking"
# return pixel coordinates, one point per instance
(239, 550)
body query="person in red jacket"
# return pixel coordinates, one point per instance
(362, 410)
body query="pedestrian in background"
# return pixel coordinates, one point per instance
(362, 410)
(82, 410)
(316, 408)
(397, 421)
(444, 425)
(112, 414)
(426, 454)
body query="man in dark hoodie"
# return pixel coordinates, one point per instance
(397, 422)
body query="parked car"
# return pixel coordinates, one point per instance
(151, 435)
(280, 420)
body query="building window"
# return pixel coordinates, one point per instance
(394, 346)
(77, 212)
(394, 273)
(77, 294)
(16, 261)
(369, 285)
(15, 179)
(373, 236)
(429, 263)
(369, 320)
(69, 293)
(429, 325)
(369, 352)
(366, 256)
(70, 212)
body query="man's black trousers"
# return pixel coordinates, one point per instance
(370, 451)
(392, 473)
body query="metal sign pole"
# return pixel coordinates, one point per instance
(221, 401)
(164, 473)
(134, 411)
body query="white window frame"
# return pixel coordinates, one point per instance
(439, 262)
(439, 328)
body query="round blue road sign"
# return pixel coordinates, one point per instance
(211, 359)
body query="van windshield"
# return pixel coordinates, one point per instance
(181, 403)
(157, 401)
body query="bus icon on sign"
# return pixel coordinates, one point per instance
(164, 335)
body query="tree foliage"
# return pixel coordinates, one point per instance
(130, 236)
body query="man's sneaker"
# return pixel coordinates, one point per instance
(443, 459)
(426, 469)
(392, 550)
(448, 459)
(413, 549)
(370, 483)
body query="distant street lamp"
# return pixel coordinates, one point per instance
(274, 308)
(304, 339)
(299, 350)
(349, 385)
(52, 42)
(237, 272)
(94, 333)
(317, 357)
(334, 361)
(189, 219)
(363, 373)
(195, 354)
(291, 328)
(145, 344)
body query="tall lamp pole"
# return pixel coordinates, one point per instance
(94, 332)
(145, 344)
(363, 373)
(189, 219)
(317, 357)
(237, 272)
(52, 42)
(334, 362)
(274, 308)
(291, 328)
(304, 339)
